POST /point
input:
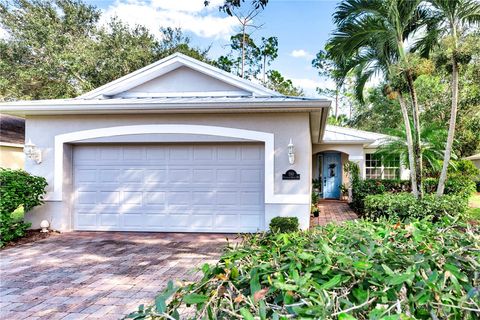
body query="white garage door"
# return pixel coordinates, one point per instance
(177, 187)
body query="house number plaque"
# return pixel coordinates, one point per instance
(291, 175)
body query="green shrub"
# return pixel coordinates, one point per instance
(405, 206)
(465, 168)
(389, 205)
(17, 188)
(377, 270)
(455, 185)
(284, 224)
(363, 188)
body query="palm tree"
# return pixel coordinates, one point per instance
(449, 19)
(432, 142)
(371, 36)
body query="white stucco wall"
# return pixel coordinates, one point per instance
(284, 126)
(185, 80)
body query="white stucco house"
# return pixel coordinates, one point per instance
(182, 146)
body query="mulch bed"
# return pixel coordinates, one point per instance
(31, 236)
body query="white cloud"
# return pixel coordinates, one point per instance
(300, 53)
(185, 5)
(190, 15)
(310, 85)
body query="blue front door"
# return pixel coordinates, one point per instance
(332, 175)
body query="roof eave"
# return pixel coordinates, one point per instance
(138, 107)
(362, 142)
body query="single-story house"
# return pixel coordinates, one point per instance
(182, 146)
(12, 136)
(475, 159)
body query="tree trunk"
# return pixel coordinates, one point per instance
(417, 140)
(243, 51)
(451, 129)
(264, 67)
(336, 103)
(411, 155)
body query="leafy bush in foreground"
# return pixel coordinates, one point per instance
(17, 188)
(405, 206)
(357, 270)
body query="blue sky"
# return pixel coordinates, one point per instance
(302, 28)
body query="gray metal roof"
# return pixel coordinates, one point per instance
(335, 134)
(163, 100)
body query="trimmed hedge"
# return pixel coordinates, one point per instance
(457, 184)
(356, 270)
(363, 188)
(284, 224)
(405, 206)
(17, 188)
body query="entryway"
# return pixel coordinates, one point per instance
(330, 174)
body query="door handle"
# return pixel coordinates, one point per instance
(324, 181)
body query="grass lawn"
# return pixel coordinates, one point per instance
(474, 210)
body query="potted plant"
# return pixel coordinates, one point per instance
(344, 192)
(315, 211)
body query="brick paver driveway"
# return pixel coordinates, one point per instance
(105, 275)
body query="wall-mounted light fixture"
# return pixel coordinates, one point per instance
(291, 152)
(32, 152)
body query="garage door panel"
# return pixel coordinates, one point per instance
(202, 153)
(251, 153)
(133, 153)
(111, 153)
(184, 187)
(250, 221)
(227, 175)
(132, 197)
(179, 152)
(132, 220)
(226, 221)
(154, 198)
(155, 175)
(109, 220)
(179, 175)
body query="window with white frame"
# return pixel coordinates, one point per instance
(378, 168)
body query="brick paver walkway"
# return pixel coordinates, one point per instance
(332, 211)
(88, 275)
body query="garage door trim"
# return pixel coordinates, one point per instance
(265, 137)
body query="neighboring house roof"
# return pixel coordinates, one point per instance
(341, 135)
(178, 84)
(12, 131)
(474, 157)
